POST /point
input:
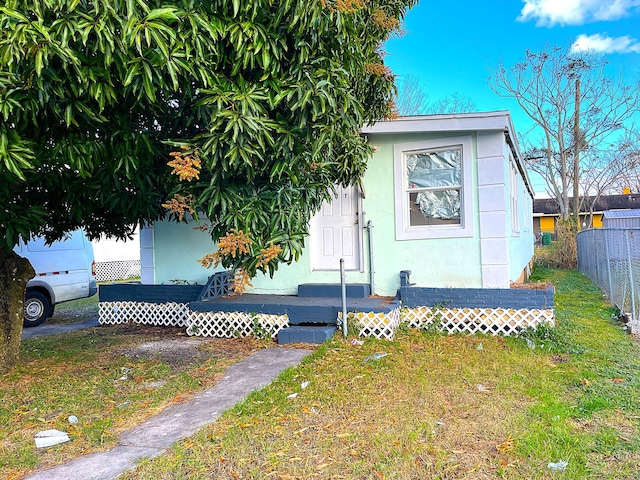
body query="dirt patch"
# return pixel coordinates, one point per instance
(559, 358)
(177, 352)
(173, 347)
(75, 311)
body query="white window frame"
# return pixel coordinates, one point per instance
(404, 231)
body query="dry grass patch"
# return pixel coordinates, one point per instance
(458, 407)
(110, 378)
(445, 407)
(434, 407)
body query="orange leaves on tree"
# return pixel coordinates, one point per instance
(180, 204)
(268, 254)
(378, 69)
(241, 280)
(344, 6)
(234, 243)
(392, 110)
(210, 260)
(186, 165)
(385, 21)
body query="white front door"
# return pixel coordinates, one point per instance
(335, 232)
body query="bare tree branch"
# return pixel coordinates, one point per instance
(414, 100)
(544, 85)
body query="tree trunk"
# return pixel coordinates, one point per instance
(15, 272)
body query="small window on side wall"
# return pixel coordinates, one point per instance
(433, 189)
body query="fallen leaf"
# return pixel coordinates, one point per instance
(188, 444)
(507, 445)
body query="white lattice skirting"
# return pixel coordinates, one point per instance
(235, 324)
(492, 321)
(382, 325)
(204, 324)
(162, 314)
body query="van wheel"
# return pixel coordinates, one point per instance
(37, 308)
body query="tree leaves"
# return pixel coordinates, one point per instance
(272, 94)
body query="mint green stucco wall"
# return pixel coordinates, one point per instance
(177, 247)
(521, 242)
(448, 262)
(444, 262)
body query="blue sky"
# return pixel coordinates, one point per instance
(449, 45)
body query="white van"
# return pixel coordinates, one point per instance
(65, 270)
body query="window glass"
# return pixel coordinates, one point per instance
(433, 192)
(434, 186)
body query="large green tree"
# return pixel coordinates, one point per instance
(96, 94)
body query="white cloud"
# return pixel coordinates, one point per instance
(575, 12)
(603, 44)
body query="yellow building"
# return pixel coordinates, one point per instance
(546, 212)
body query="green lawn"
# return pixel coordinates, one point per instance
(448, 407)
(441, 407)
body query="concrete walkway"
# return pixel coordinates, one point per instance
(46, 329)
(180, 420)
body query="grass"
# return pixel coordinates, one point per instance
(440, 407)
(103, 378)
(74, 310)
(82, 308)
(443, 407)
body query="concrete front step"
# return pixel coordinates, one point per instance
(353, 290)
(312, 314)
(306, 334)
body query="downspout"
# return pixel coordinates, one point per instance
(372, 283)
(343, 291)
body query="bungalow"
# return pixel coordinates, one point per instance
(443, 215)
(444, 196)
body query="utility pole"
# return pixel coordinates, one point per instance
(577, 141)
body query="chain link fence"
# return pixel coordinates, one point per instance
(610, 257)
(117, 270)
